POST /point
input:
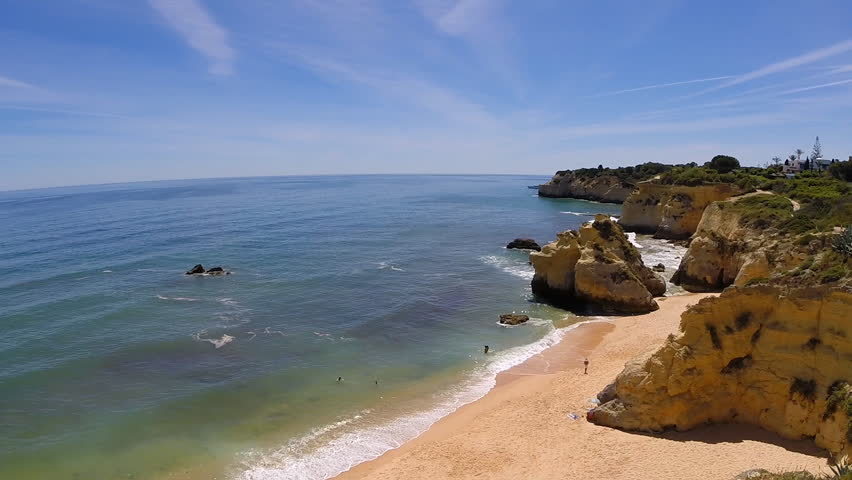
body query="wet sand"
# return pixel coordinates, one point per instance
(532, 424)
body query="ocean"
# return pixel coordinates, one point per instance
(114, 364)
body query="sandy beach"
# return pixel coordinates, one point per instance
(532, 424)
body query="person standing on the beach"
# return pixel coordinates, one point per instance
(485, 349)
(586, 366)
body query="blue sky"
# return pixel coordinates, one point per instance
(96, 91)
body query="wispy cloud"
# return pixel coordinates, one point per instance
(661, 85)
(783, 66)
(400, 86)
(840, 69)
(61, 111)
(200, 30)
(11, 82)
(814, 87)
(484, 26)
(715, 123)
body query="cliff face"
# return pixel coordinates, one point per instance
(596, 265)
(602, 188)
(774, 357)
(724, 251)
(670, 211)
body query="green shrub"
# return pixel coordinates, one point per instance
(842, 243)
(833, 274)
(805, 239)
(841, 171)
(630, 174)
(723, 163)
(763, 211)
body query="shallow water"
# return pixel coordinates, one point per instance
(113, 364)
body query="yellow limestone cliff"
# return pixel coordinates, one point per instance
(600, 188)
(596, 265)
(725, 250)
(765, 355)
(670, 211)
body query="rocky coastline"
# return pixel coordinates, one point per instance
(774, 350)
(605, 188)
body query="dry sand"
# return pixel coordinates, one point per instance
(522, 429)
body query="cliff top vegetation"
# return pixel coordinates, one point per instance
(632, 174)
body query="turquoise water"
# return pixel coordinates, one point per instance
(113, 364)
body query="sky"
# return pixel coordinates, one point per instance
(101, 91)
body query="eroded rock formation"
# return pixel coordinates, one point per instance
(726, 251)
(670, 211)
(771, 356)
(596, 265)
(601, 188)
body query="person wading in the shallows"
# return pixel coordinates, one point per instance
(586, 366)
(485, 349)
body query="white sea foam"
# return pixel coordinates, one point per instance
(227, 301)
(515, 267)
(660, 251)
(345, 448)
(106, 271)
(217, 342)
(389, 266)
(177, 299)
(631, 237)
(580, 214)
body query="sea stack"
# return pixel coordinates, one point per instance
(595, 266)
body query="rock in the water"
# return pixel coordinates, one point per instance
(659, 268)
(196, 270)
(524, 244)
(217, 271)
(513, 319)
(596, 265)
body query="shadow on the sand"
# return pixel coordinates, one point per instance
(738, 433)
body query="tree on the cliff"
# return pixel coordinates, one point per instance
(841, 171)
(817, 150)
(799, 153)
(723, 163)
(776, 160)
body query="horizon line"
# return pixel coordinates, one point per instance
(130, 182)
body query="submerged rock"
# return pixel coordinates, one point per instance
(659, 268)
(199, 270)
(196, 270)
(513, 319)
(524, 244)
(597, 265)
